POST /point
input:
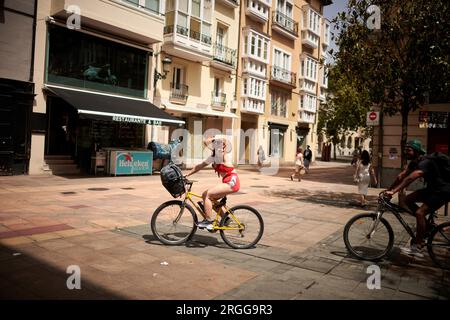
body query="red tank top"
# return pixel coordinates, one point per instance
(221, 168)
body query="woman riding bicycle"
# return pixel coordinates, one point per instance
(221, 161)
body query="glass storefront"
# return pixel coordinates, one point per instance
(79, 60)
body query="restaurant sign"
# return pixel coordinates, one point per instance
(433, 120)
(136, 120)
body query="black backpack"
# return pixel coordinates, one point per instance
(173, 180)
(442, 163)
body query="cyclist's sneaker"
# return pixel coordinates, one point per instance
(413, 250)
(205, 224)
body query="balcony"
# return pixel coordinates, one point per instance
(310, 39)
(114, 17)
(178, 93)
(144, 7)
(326, 33)
(249, 105)
(224, 58)
(258, 10)
(306, 117)
(229, 3)
(187, 43)
(218, 100)
(307, 86)
(283, 76)
(284, 25)
(254, 68)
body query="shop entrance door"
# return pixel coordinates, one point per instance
(61, 132)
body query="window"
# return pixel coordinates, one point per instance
(178, 77)
(152, 5)
(278, 103)
(195, 9)
(220, 35)
(183, 5)
(95, 63)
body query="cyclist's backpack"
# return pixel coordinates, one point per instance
(172, 179)
(442, 162)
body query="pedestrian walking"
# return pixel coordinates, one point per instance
(308, 156)
(298, 165)
(261, 156)
(363, 172)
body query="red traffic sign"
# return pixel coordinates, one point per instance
(373, 118)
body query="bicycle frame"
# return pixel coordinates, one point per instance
(396, 210)
(190, 197)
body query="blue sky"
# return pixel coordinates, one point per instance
(331, 11)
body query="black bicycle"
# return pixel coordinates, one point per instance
(369, 236)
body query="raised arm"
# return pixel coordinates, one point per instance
(406, 181)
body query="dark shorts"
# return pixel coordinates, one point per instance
(433, 199)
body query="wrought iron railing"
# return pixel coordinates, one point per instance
(224, 54)
(285, 22)
(178, 91)
(218, 99)
(283, 75)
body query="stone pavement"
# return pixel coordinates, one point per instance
(101, 225)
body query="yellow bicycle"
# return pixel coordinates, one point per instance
(175, 222)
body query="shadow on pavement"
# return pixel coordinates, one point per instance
(335, 199)
(25, 276)
(197, 241)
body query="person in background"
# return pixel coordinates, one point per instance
(261, 156)
(298, 165)
(363, 172)
(308, 156)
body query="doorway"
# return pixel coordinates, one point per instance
(61, 128)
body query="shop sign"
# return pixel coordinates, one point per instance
(433, 120)
(133, 162)
(136, 120)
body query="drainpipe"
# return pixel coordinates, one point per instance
(33, 42)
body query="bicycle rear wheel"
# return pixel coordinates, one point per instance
(363, 246)
(165, 227)
(247, 227)
(439, 245)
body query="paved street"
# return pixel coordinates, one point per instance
(101, 224)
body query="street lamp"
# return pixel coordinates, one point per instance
(158, 76)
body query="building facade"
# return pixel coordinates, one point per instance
(17, 20)
(430, 125)
(201, 39)
(280, 79)
(93, 73)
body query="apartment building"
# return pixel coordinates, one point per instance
(280, 79)
(201, 40)
(93, 75)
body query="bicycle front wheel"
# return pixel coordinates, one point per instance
(244, 227)
(439, 245)
(172, 224)
(363, 245)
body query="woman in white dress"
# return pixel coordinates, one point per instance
(298, 165)
(362, 175)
